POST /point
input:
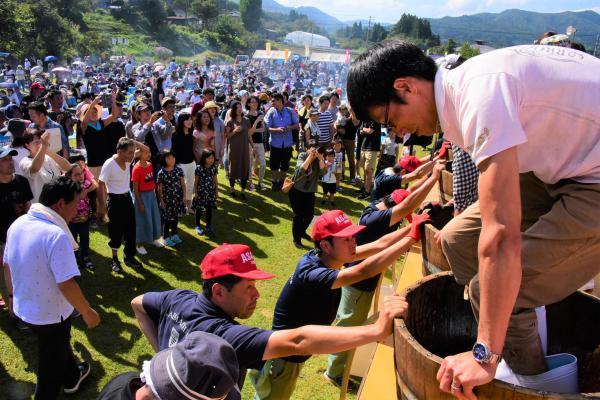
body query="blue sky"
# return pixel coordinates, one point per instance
(390, 10)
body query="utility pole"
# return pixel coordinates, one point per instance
(597, 45)
(368, 31)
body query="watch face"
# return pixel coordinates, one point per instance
(479, 352)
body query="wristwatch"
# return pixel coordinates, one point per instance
(483, 355)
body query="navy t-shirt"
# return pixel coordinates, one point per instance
(377, 223)
(307, 298)
(176, 313)
(385, 184)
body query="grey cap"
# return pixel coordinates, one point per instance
(201, 365)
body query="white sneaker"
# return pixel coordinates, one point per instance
(158, 243)
(141, 250)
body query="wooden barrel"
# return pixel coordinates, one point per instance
(446, 188)
(440, 323)
(434, 260)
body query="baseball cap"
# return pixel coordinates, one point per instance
(202, 366)
(5, 152)
(263, 97)
(399, 195)
(232, 259)
(314, 112)
(15, 126)
(409, 163)
(37, 85)
(334, 223)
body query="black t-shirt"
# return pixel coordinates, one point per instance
(122, 387)
(94, 140)
(257, 137)
(13, 199)
(183, 147)
(377, 223)
(176, 313)
(350, 130)
(113, 133)
(372, 142)
(307, 298)
(385, 183)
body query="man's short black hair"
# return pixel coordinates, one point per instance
(372, 75)
(318, 243)
(53, 93)
(324, 98)
(208, 90)
(124, 143)
(76, 157)
(277, 96)
(38, 106)
(58, 188)
(228, 281)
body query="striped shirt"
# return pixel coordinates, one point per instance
(324, 122)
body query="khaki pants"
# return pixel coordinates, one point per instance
(560, 250)
(276, 380)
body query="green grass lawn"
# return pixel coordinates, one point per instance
(263, 222)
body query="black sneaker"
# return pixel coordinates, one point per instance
(306, 236)
(298, 245)
(84, 371)
(87, 263)
(20, 325)
(337, 382)
(115, 265)
(132, 262)
(322, 202)
(332, 203)
(363, 196)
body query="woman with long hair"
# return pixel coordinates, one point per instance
(183, 148)
(158, 93)
(204, 133)
(237, 129)
(257, 129)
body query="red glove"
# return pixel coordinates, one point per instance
(444, 150)
(418, 220)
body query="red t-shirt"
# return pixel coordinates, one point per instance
(144, 176)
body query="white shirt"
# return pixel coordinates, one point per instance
(47, 172)
(389, 146)
(38, 263)
(21, 154)
(115, 179)
(128, 68)
(542, 99)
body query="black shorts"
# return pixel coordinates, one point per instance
(329, 188)
(279, 160)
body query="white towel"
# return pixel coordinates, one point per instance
(46, 213)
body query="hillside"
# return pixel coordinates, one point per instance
(320, 18)
(513, 27)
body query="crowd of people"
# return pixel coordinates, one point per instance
(64, 172)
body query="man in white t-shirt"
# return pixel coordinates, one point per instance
(42, 165)
(40, 271)
(529, 118)
(114, 181)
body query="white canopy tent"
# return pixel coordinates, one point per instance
(299, 38)
(272, 55)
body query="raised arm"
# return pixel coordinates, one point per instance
(317, 339)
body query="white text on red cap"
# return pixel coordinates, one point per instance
(340, 219)
(247, 257)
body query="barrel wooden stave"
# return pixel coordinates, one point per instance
(434, 260)
(417, 362)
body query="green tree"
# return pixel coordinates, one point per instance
(153, 11)
(450, 46)
(250, 12)
(206, 10)
(467, 51)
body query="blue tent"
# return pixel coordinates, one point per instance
(50, 59)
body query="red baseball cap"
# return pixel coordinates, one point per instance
(36, 85)
(409, 163)
(334, 223)
(232, 259)
(398, 196)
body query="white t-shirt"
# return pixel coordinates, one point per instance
(115, 179)
(38, 263)
(21, 154)
(389, 146)
(542, 99)
(49, 170)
